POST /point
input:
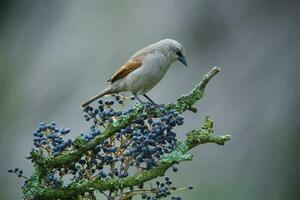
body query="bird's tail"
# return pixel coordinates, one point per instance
(106, 91)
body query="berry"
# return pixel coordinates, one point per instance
(175, 169)
(190, 187)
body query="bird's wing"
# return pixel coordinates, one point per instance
(124, 70)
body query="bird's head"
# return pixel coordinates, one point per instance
(173, 50)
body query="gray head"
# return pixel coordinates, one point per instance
(172, 49)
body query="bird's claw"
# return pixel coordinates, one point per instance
(161, 106)
(152, 106)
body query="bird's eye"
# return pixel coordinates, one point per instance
(179, 54)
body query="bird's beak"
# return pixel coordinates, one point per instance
(182, 59)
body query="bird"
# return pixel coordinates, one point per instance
(144, 70)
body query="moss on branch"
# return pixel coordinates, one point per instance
(205, 135)
(34, 187)
(179, 154)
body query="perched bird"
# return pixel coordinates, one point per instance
(144, 70)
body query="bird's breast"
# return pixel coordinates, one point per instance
(143, 79)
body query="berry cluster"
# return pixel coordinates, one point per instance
(162, 190)
(142, 143)
(140, 146)
(17, 171)
(152, 138)
(50, 138)
(52, 181)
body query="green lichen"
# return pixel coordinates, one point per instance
(205, 135)
(33, 187)
(178, 154)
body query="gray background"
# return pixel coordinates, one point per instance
(55, 54)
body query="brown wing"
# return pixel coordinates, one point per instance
(130, 66)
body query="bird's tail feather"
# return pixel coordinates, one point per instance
(103, 93)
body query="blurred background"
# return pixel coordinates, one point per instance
(55, 54)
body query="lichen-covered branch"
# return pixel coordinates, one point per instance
(187, 101)
(83, 158)
(183, 103)
(205, 135)
(179, 154)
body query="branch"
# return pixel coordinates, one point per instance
(179, 154)
(184, 103)
(35, 189)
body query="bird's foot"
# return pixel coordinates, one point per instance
(153, 106)
(150, 104)
(160, 105)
